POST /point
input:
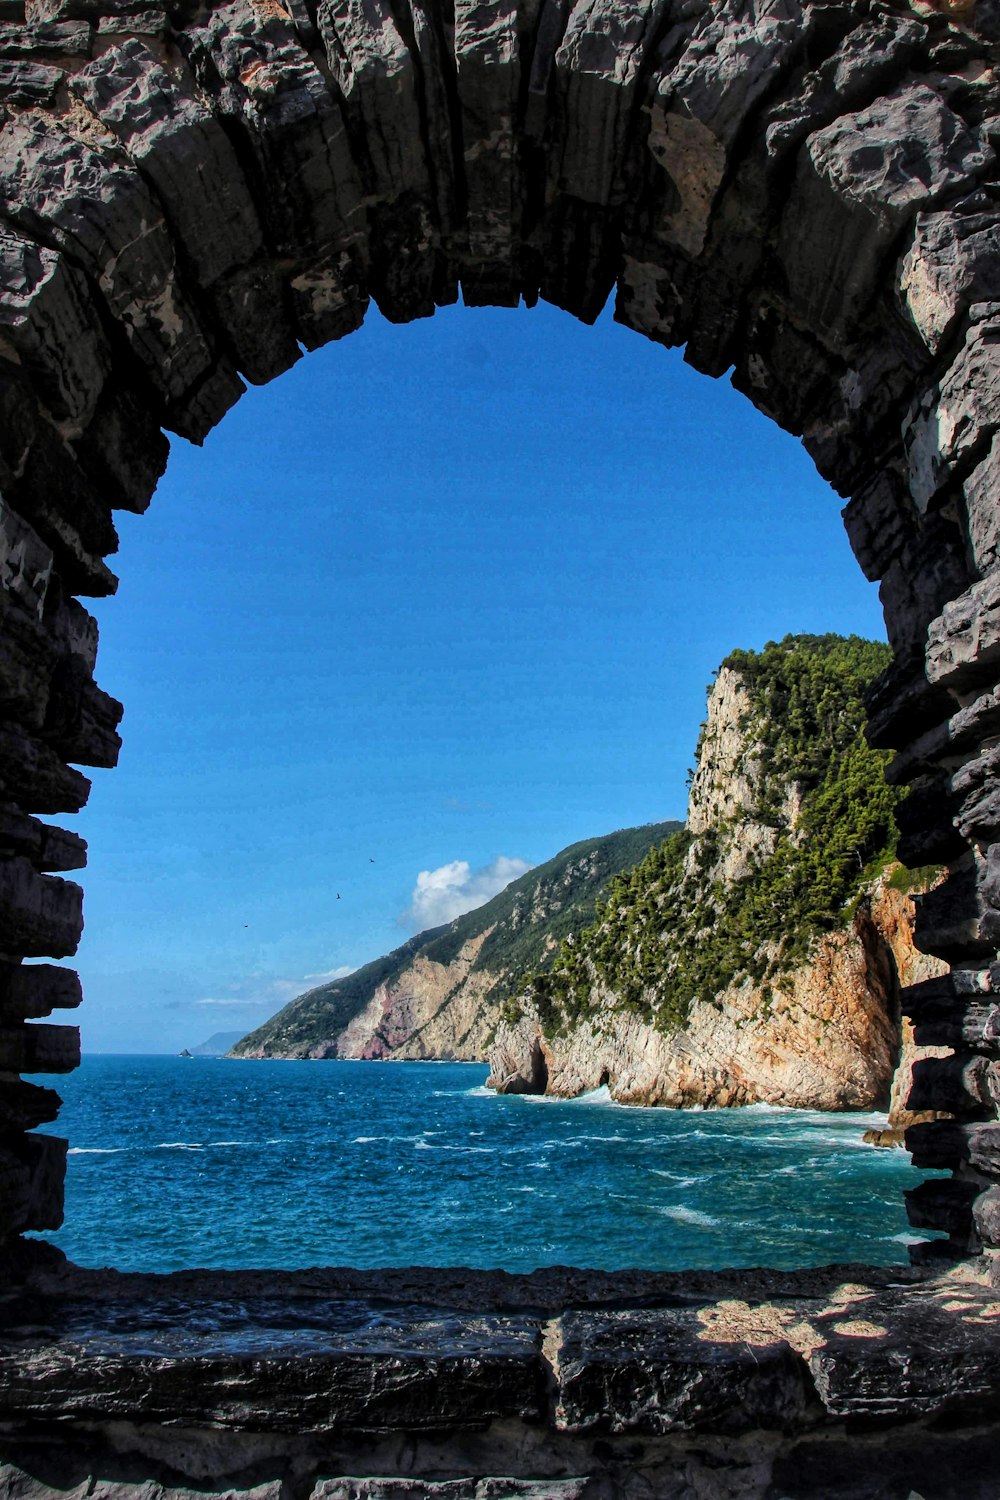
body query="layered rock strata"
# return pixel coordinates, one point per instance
(804, 193)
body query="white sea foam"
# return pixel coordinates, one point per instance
(684, 1215)
(94, 1150)
(676, 1178)
(481, 1092)
(440, 1146)
(178, 1146)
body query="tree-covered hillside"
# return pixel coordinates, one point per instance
(673, 929)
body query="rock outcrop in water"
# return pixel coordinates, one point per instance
(758, 957)
(440, 994)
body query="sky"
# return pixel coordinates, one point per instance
(437, 602)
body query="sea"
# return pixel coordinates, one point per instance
(210, 1162)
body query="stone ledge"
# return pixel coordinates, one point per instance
(428, 1350)
(845, 1382)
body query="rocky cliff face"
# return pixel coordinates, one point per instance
(831, 1040)
(440, 995)
(822, 1032)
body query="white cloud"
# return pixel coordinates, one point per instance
(451, 890)
(330, 974)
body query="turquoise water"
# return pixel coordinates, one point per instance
(202, 1162)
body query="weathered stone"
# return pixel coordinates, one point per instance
(965, 1084)
(943, 1144)
(54, 39)
(963, 644)
(49, 849)
(58, 186)
(81, 720)
(40, 1049)
(47, 318)
(860, 179)
(39, 914)
(902, 704)
(25, 561)
(943, 1204)
(950, 920)
(56, 12)
(450, 1489)
(32, 1170)
(655, 1371)
(949, 741)
(36, 778)
(926, 820)
(29, 991)
(956, 420)
(986, 1216)
(488, 74)
(315, 1366)
(952, 262)
(878, 520)
(403, 160)
(308, 191)
(167, 128)
(906, 1355)
(23, 1105)
(26, 83)
(979, 491)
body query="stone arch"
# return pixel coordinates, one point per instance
(804, 193)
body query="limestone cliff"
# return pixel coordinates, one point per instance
(757, 957)
(440, 994)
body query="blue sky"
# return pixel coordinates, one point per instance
(441, 596)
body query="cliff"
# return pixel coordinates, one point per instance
(440, 994)
(757, 956)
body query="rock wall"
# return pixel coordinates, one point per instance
(803, 192)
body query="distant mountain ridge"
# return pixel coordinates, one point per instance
(217, 1045)
(440, 994)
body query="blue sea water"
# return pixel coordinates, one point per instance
(179, 1162)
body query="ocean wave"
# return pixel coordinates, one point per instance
(422, 1145)
(677, 1179)
(95, 1150)
(480, 1092)
(179, 1146)
(366, 1140)
(684, 1215)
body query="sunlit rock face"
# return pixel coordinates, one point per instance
(825, 1034)
(800, 192)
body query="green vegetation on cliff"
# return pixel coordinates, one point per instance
(525, 925)
(672, 930)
